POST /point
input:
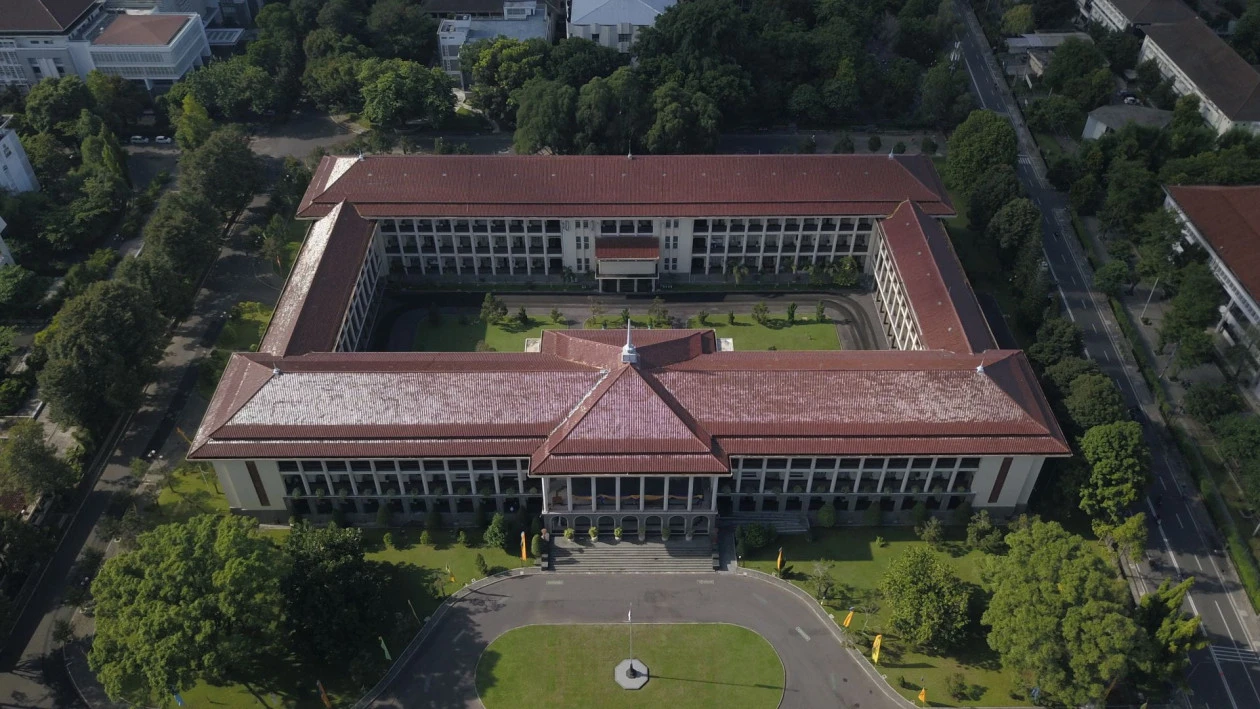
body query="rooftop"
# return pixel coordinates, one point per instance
(1150, 12)
(156, 30)
(462, 7)
(620, 186)
(1119, 115)
(1229, 219)
(576, 406)
(42, 15)
(1214, 67)
(533, 27)
(616, 12)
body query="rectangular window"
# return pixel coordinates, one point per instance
(312, 466)
(287, 466)
(623, 37)
(433, 466)
(408, 465)
(360, 466)
(335, 466)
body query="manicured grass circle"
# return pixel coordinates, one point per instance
(692, 665)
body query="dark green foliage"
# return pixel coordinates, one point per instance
(1057, 339)
(1209, 403)
(755, 536)
(927, 603)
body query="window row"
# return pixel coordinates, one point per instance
(828, 464)
(389, 466)
(479, 226)
(807, 242)
(704, 226)
(427, 244)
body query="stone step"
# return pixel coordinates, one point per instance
(632, 556)
(784, 522)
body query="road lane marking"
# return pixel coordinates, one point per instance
(1105, 355)
(759, 598)
(1162, 484)
(802, 633)
(555, 583)
(1183, 526)
(1160, 526)
(1094, 327)
(705, 581)
(1221, 673)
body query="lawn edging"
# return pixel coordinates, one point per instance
(434, 620)
(867, 668)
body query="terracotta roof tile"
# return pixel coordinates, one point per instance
(157, 30)
(614, 186)
(944, 305)
(42, 15)
(1229, 219)
(627, 247)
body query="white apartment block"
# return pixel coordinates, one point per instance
(16, 174)
(521, 19)
(1120, 15)
(6, 256)
(613, 23)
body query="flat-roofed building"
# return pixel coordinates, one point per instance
(643, 430)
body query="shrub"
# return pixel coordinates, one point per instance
(919, 514)
(426, 538)
(982, 535)
(388, 540)
(480, 563)
(827, 516)
(844, 144)
(535, 526)
(617, 532)
(432, 520)
(961, 514)
(730, 318)
(593, 532)
(462, 539)
(881, 542)
(570, 533)
(928, 146)
(873, 516)
(956, 685)
(873, 143)
(820, 312)
(899, 148)
(931, 531)
(756, 536)
(791, 313)
(702, 317)
(665, 534)
(496, 535)
(556, 316)
(536, 546)
(382, 515)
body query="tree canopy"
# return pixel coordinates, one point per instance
(982, 141)
(1119, 463)
(191, 602)
(1094, 400)
(927, 602)
(29, 466)
(224, 170)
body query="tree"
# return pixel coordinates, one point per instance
(1194, 348)
(29, 466)
(575, 61)
(230, 89)
(1018, 20)
(997, 187)
(332, 82)
(1132, 192)
(155, 274)
(496, 535)
(404, 91)
(1016, 223)
(1209, 403)
(119, 102)
(1112, 277)
(760, 313)
(101, 352)
(821, 579)
(185, 228)
(1119, 461)
(983, 140)
(982, 535)
(1171, 635)
(1073, 59)
(224, 170)
(1062, 373)
(1058, 614)
(19, 288)
(1188, 133)
(498, 68)
(193, 126)
(399, 28)
(493, 309)
(658, 314)
(51, 162)
(944, 98)
(97, 267)
(1057, 339)
(546, 118)
(612, 114)
(686, 121)
(927, 602)
(1239, 436)
(193, 601)
(1094, 400)
(54, 104)
(334, 605)
(1058, 113)
(1194, 307)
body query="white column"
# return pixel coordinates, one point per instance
(424, 481)
(665, 497)
(642, 496)
(568, 493)
(618, 506)
(713, 488)
(691, 486)
(761, 482)
(592, 493)
(497, 489)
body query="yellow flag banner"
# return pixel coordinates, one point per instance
(923, 695)
(524, 556)
(879, 640)
(778, 565)
(848, 619)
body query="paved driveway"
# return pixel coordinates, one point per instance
(819, 671)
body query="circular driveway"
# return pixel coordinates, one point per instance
(819, 672)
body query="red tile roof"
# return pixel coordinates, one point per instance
(142, 30)
(574, 407)
(627, 247)
(42, 15)
(1229, 219)
(615, 186)
(940, 295)
(313, 304)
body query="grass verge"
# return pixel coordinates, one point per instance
(455, 336)
(692, 665)
(777, 333)
(241, 333)
(858, 559)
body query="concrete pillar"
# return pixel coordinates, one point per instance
(498, 490)
(761, 485)
(568, 494)
(424, 482)
(642, 496)
(713, 488)
(546, 496)
(691, 486)
(592, 493)
(618, 493)
(665, 497)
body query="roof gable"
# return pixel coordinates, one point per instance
(42, 15)
(1229, 220)
(616, 12)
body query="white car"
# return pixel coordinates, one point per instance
(139, 140)
(163, 140)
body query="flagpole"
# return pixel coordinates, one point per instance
(630, 618)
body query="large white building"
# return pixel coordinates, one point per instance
(1201, 63)
(613, 23)
(41, 39)
(1121, 15)
(16, 174)
(646, 431)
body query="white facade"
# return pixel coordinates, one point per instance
(1182, 85)
(1242, 313)
(6, 256)
(16, 174)
(28, 58)
(613, 23)
(1103, 12)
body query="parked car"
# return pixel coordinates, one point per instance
(163, 140)
(139, 140)
(1130, 101)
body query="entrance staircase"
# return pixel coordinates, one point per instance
(632, 556)
(784, 522)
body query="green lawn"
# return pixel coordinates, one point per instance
(420, 568)
(452, 336)
(693, 665)
(189, 490)
(297, 233)
(804, 334)
(242, 333)
(858, 563)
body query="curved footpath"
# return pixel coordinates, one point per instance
(819, 671)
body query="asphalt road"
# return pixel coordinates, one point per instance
(819, 671)
(1182, 540)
